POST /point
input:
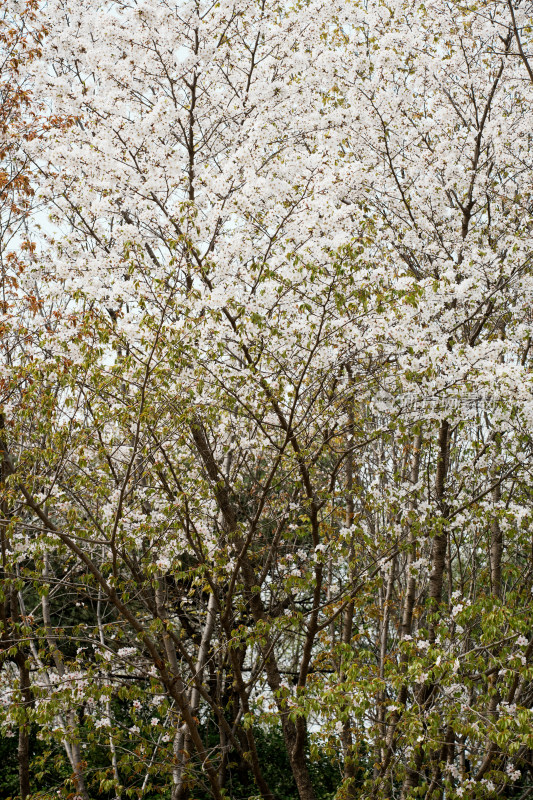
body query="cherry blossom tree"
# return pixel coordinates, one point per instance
(274, 437)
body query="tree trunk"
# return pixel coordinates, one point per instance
(496, 548)
(24, 729)
(438, 556)
(294, 733)
(438, 561)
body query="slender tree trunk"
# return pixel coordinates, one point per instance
(24, 729)
(182, 741)
(440, 542)
(410, 593)
(436, 579)
(496, 548)
(237, 657)
(347, 627)
(406, 621)
(384, 635)
(112, 748)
